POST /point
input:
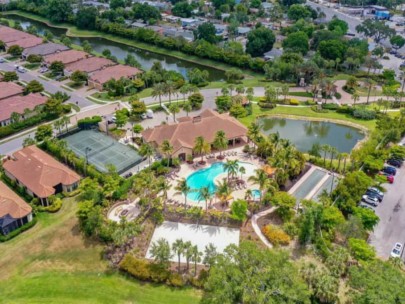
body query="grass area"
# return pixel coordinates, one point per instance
(52, 262)
(75, 107)
(73, 31)
(301, 94)
(305, 112)
(32, 66)
(75, 85)
(104, 96)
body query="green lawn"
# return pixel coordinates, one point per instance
(52, 263)
(305, 112)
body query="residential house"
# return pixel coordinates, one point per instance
(99, 78)
(267, 6)
(99, 5)
(273, 54)
(27, 42)
(44, 49)
(243, 31)
(65, 57)
(138, 25)
(14, 212)
(40, 174)
(10, 89)
(25, 106)
(8, 34)
(182, 135)
(88, 65)
(188, 22)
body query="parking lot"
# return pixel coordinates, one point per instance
(391, 228)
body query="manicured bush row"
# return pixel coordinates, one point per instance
(88, 122)
(13, 234)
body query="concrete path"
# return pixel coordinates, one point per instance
(256, 227)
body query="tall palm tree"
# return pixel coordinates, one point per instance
(160, 251)
(333, 152)
(355, 98)
(158, 91)
(188, 253)
(253, 132)
(183, 188)
(170, 89)
(146, 150)
(196, 257)
(187, 107)
(261, 179)
(325, 149)
(178, 248)
(344, 156)
(65, 120)
(205, 194)
(167, 150)
(163, 186)
(242, 171)
(231, 167)
(248, 194)
(57, 125)
(223, 191)
(184, 90)
(201, 147)
(220, 141)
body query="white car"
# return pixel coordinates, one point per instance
(373, 201)
(396, 251)
(2, 60)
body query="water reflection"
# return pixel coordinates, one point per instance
(145, 58)
(303, 134)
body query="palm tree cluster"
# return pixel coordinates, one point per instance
(324, 155)
(281, 154)
(203, 147)
(325, 85)
(170, 88)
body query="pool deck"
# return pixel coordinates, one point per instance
(187, 169)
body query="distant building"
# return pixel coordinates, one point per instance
(14, 212)
(188, 22)
(99, 5)
(243, 31)
(138, 25)
(99, 78)
(273, 54)
(19, 104)
(44, 49)
(40, 174)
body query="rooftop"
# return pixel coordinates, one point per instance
(27, 42)
(11, 204)
(116, 72)
(45, 49)
(89, 65)
(8, 89)
(8, 34)
(183, 134)
(18, 103)
(66, 56)
(39, 172)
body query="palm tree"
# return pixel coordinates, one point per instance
(146, 150)
(163, 186)
(224, 91)
(158, 91)
(184, 91)
(253, 132)
(223, 191)
(196, 257)
(220, 142)
(205, 194)
(285, 89)
(170, 89)
(188, 253)
(329, 85)
(231, 167)
(167, 150)
(174, 108)
(231, 87)
(344, 156)
(65, 120)
(242, 171)
(248, 194)
(240, 89)
(178, 248)
(333, 152)
(187, 107)
(201, 147)
(57, 125)
(355, 98)
(261, 179)
(160, 251)
(184, 189)
(325, 149)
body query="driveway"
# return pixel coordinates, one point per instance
(391, 228)
(49, 86)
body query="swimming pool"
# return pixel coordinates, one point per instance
(206, 177)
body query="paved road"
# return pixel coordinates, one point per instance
(49, 86)
(391, 228)
(15, 144)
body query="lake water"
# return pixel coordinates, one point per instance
(303, 134)
(119, 50)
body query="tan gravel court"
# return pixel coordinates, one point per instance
(200, 235)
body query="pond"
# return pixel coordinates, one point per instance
(303, 133)
(120, 50)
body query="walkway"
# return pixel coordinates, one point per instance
(256, 227)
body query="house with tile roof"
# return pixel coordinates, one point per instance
(26, 106)
(8, 34)
(88, 65)
(182, 135)
(65, 57)
(9, 89)
(44, 49)
(99, 78)
(27, 42)
(14, 212)
(40, 174)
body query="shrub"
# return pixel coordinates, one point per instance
(138, 268)
(266, 105)
(291, 229)
(345, 110)
(175, 280)
(158, 273)
(330, 106)
(365, 114)
(238, 111)
(294, 102)
(54, 207)
(317, 110)
(338, 95)
(361, 250)
(276, 236)
(223, 103)
(88, 122)
(14, 233)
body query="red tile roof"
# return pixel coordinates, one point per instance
(19, 103)
(8, 34)
(115, 72)
(12, 204)
(89, 65)
(38, 171)
(8, 89)
(26, 42)
(184, 133)
(66, 56)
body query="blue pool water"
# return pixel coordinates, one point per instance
(206, 178)
(256, 194)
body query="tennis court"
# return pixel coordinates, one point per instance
(102, 150)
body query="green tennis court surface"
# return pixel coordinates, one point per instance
(102, 150)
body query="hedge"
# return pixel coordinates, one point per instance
(88, 122)
(276, 235)
(14, 233)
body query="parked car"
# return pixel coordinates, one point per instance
(21, 69)
(396, 251)
(373, 194)
(377, 191)
(390, 170)
(390, 178)
(373, 201)
(43, 70)
(361, 205)
(2, 60)
(394, 162)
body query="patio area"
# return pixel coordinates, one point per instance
(129, 210)
(200, 235)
